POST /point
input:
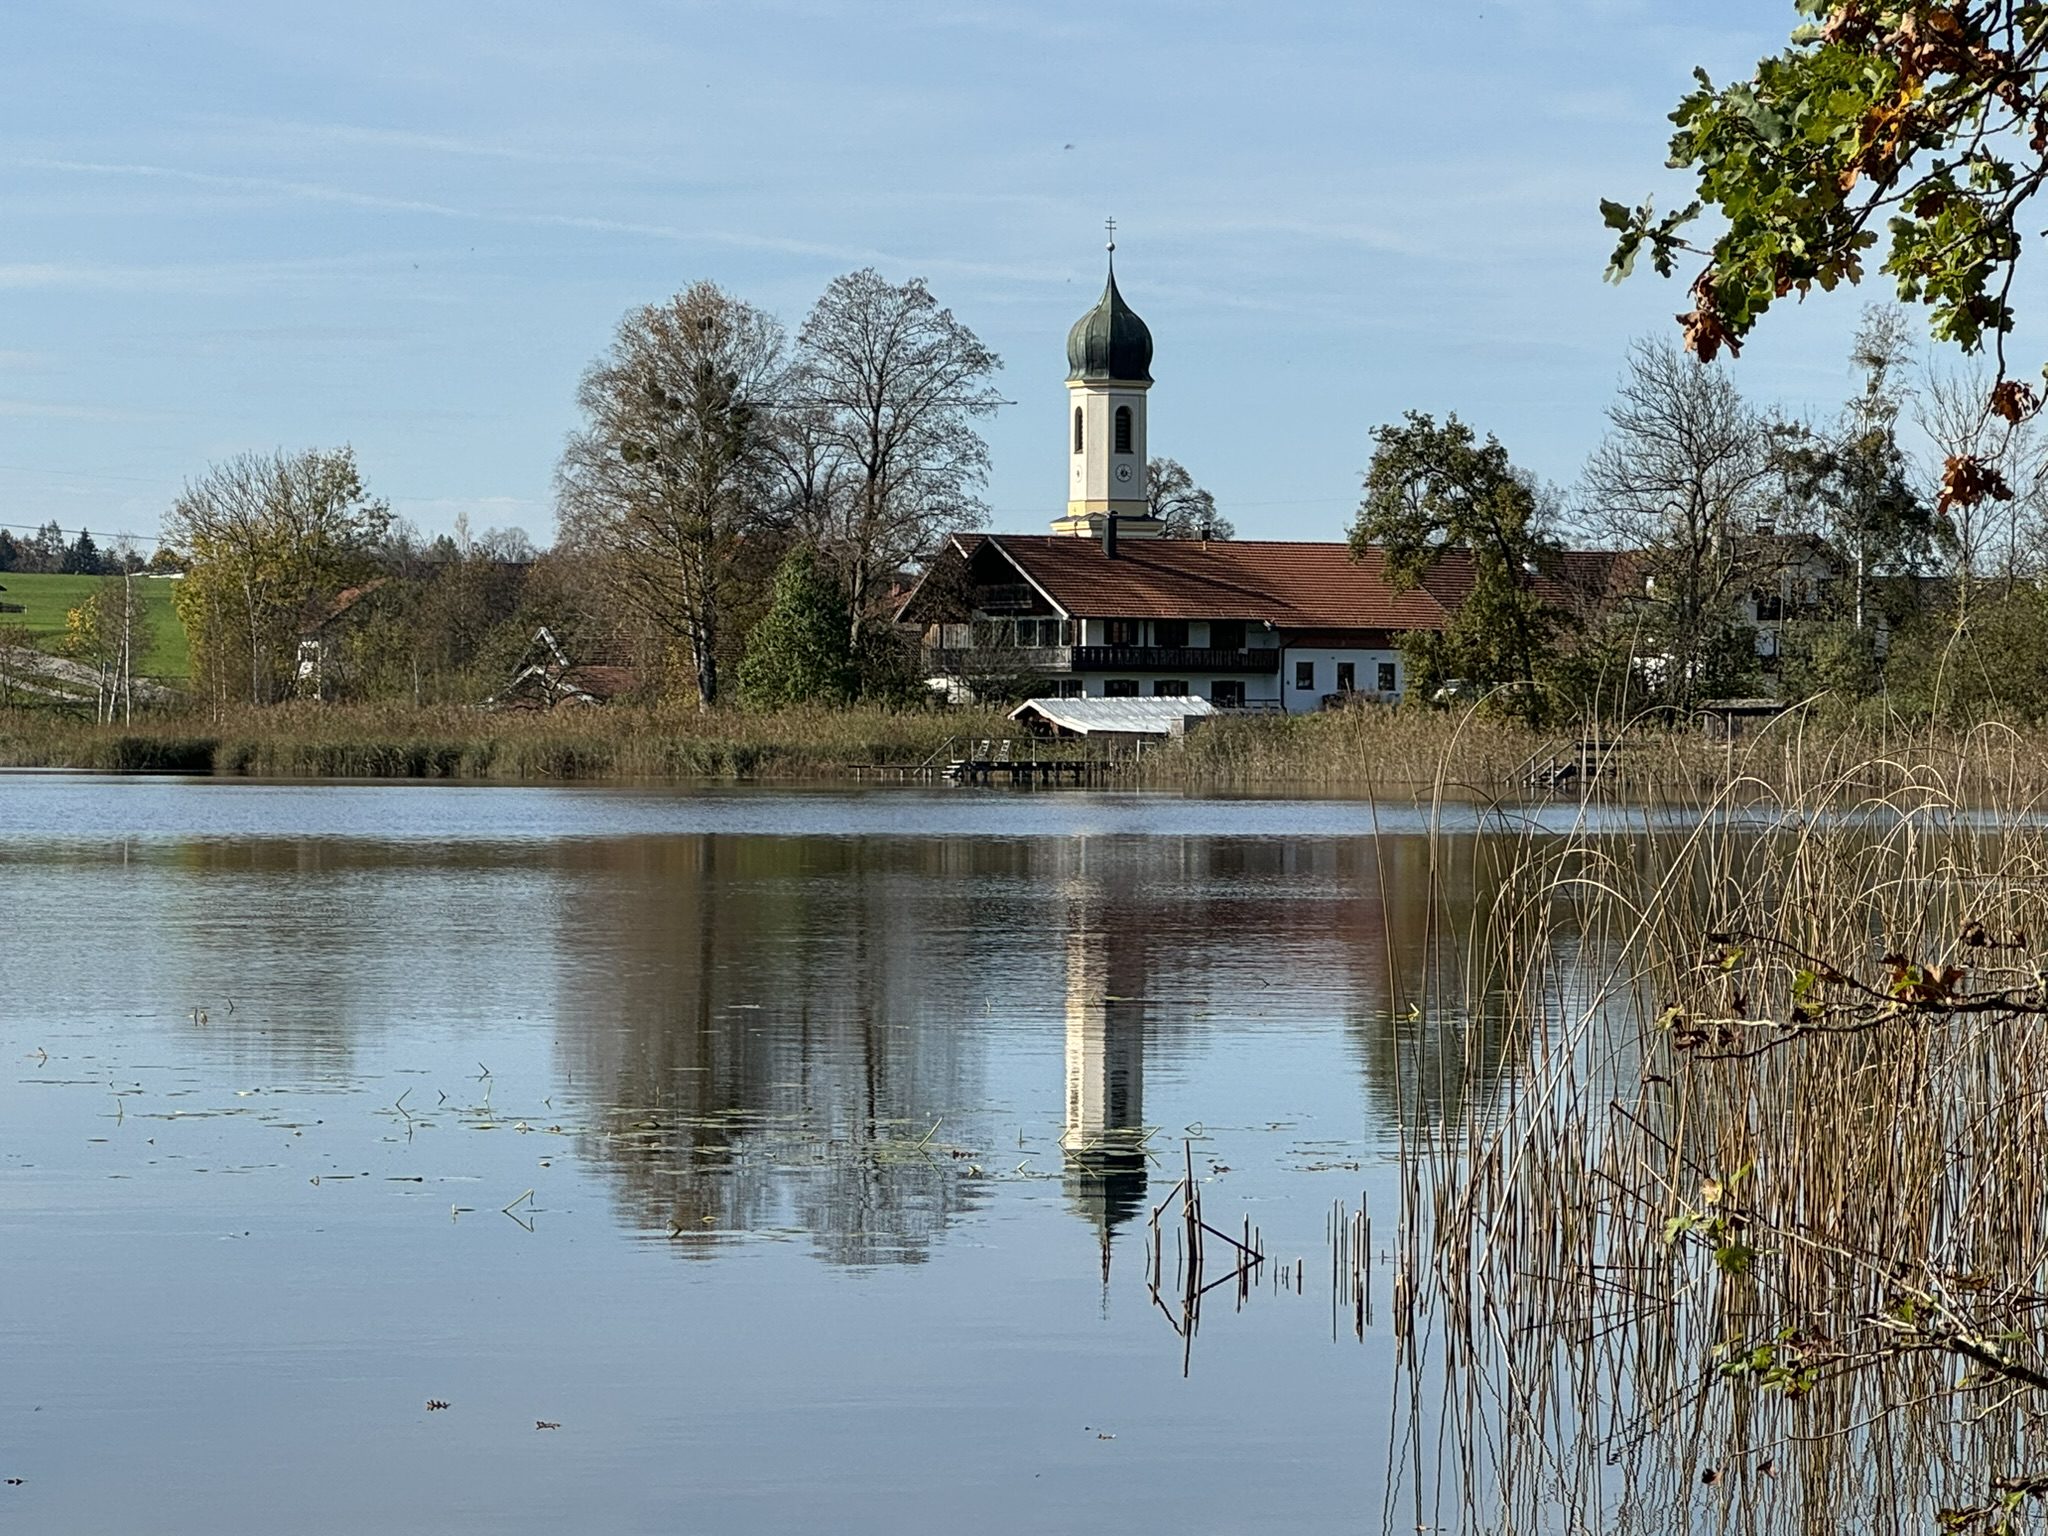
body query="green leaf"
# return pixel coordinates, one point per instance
(1735, 1258)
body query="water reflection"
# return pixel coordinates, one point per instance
(1103, 1135)
(765, 1042)
(921, 1042)
(845, 1040)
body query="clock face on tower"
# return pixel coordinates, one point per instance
(1123, 472)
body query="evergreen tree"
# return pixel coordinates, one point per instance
(798, 653)
(82, 558)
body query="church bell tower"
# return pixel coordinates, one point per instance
(1109, 370)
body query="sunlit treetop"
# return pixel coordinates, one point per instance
(1909, 135)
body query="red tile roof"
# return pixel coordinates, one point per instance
(1290, 584)
(1298, 585)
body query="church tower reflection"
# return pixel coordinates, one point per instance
(1104, 1132)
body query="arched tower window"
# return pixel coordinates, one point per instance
(1123, 429)
(1077, 429)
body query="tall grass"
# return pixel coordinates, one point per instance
(1754, 1235)
(373, 741)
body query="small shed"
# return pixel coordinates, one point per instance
(1114, 722)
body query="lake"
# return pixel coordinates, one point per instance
(789, 1155)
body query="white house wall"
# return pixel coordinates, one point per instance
(1276, 688)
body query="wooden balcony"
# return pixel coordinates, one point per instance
(954, 661)
(987, 660)
(1174, 658)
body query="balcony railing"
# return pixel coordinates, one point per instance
(955, 661)
(1173, 658)
(973, 661)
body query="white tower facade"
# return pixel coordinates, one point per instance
(1109, 372)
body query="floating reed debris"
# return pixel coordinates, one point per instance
(1190, 1235)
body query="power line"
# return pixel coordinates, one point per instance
(133, 538)
(81, 474)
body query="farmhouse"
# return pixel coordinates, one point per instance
(1106, 606)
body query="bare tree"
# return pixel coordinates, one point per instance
(896, 383)
(1188, 511)
(669, 470)
(267, 538)
(1679, 481)
(1993, 537)
(816, 478)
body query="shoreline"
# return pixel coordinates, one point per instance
(1337, 752)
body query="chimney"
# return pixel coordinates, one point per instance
(1109, 537)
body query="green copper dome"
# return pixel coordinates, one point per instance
(1110, 342)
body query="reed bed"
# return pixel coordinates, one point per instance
(1469, 753)
(1753, 1232)
(344, 741)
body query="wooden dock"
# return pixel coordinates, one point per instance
(1582, 761)
(1021, 764)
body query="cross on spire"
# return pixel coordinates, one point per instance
(1112, 234)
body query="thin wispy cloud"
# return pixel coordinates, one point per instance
(394, 225)
(176, 277)
(281, 187)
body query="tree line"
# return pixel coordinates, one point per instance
(46, 552)
(737, 510)
(1749, 552)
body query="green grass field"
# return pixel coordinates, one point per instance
(47, 599)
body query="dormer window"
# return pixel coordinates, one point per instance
(1078, 434)
(1123, 429)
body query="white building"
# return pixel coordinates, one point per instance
(1106, 607)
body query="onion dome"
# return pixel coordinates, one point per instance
(1110, 342)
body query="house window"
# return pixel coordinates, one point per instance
(1123, 429)
(1027, 633)
(1080, 437)
(1073, 688)
(1228, 695)
(1386, 677)
(1226, 634)
(1170, 688)
(1120, 688)
(1121, 632)
(1172, 632)
(1066, 631)
(1305, 674)
(1770, 607)
(1347, 677)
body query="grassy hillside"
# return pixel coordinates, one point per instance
(48, 599)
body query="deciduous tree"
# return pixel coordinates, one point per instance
(1188, 511)
(669, 471)
(268, 538)
(1679, 483)
(1435, 493)
(1909, 133)
(893, 384)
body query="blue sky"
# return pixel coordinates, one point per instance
(227, 226)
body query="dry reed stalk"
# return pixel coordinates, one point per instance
(1752, 1231)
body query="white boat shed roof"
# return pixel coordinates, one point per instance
(1121, 717)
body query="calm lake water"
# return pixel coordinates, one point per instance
(776, 1146)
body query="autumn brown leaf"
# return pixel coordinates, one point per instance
(2014, 400)
(1967, 480)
